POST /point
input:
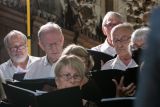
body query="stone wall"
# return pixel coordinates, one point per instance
(135, 11)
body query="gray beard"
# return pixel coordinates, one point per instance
(19, 59)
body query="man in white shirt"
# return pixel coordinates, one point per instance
(110, 20)
(16, 45)
(51, 41)
(121, 35)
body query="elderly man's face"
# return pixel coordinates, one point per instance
(109, 24)
(17, 49)
(68, 77)
(121, 39)
(52, 44)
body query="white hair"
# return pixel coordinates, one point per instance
(112, 13)
(140, 34)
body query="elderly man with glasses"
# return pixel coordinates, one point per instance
(51, 41)
(110, 20)
(16, 45)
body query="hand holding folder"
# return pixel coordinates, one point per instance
(104, 79)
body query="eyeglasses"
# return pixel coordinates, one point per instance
(110, 25)
(137, 46)
(68, 77)
(16, 48)
(122, 40)
(50, 46)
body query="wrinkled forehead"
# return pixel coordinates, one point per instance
(56, 35)
(112, 19)
(54, 31)
(121, 33)
(16, 39)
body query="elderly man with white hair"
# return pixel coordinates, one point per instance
(110, 20)
(51, 41)
(16, 45)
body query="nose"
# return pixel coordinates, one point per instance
(54, 48)
(120, 45)
(72, 80)
(19, 50)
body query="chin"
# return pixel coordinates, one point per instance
(19, 59)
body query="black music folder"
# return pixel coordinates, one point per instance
(20, 97)
(137, 56)
(33, 84)
(118, 102)
(19, 76)
(69, 97)
(97, 57)
(91, 92)
(103, 79)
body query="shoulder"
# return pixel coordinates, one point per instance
(33, 58)
(97, 48)
(37, 64)
(38, 60)
(107, 65)
(5, 65)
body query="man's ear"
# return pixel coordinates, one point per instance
(104, 31)
(41, 46)
(62, 40)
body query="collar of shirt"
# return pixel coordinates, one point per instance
(118, 64)
(29, 61)
(46, 62)
(106, 48)
(18, 68)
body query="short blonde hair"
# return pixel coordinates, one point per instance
(81, 52)
(72, 61)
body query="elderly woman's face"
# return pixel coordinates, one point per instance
(68, 77)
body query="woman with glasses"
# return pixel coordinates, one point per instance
(69, 71)
(81, 52)
(89, 89)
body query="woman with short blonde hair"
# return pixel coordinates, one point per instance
(69, 71)
(81, 52)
